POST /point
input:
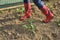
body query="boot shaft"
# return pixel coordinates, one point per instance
(46, 11)
(27, 6)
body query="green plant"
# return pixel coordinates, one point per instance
(25, 26)
(0, 12)
(30, 26)
(58, 23)
(21, 10)
(49, 5)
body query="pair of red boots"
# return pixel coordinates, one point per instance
(44, 9)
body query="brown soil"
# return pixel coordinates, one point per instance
(12, 29)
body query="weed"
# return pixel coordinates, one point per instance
(30, 26)
(50, 6)
(0, 12)
(20, 10)
(58, 23)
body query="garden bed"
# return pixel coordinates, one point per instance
(13, 29)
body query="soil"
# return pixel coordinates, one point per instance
(12, 29)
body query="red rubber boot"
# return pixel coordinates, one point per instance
(47, 13)
(27, 13)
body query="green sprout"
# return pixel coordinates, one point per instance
(0, 12)
(58, 23)
(25, 26)
(30, 26)
(49, 5)
(21, 10)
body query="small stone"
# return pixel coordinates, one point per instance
(9, 33)
(59, 3)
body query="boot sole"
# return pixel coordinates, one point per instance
(24, 19)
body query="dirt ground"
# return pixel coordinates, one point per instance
(12, 29)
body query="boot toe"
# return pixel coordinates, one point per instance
(21, 19)
(46, 21)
